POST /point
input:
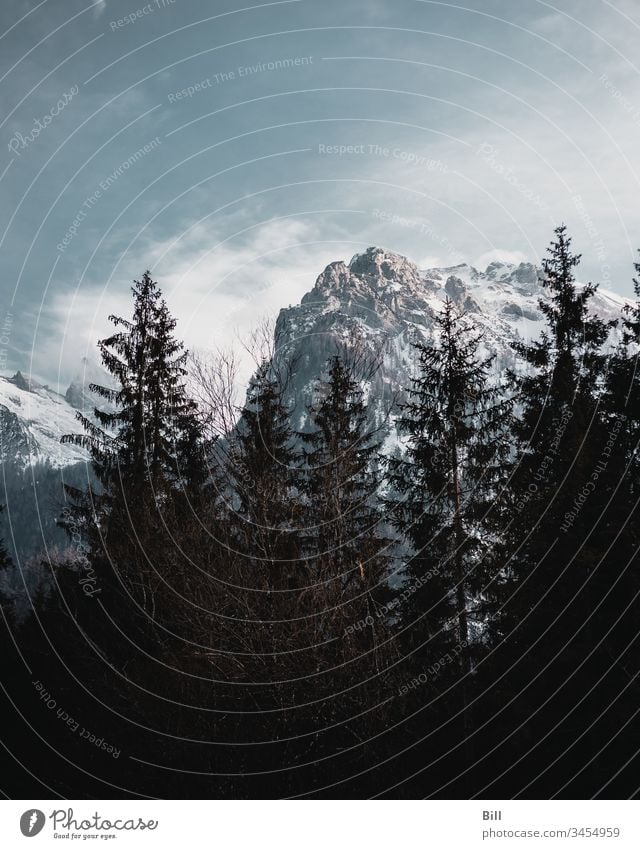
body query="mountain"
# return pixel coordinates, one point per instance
(383, 303)
(32, 419)
(380, 301)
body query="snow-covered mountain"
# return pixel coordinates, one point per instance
(384, 303)
(380, 300)
(33, 418)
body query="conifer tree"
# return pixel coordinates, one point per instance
(344, 604)
(5, 560)
(145, 449)
(262, 467)
(554, 565)
(613, 624)
(447, 504)
(622, 398)
(263, 518)
(340, 456)
(558, 430)
(340, 482)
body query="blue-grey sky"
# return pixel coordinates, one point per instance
(235, 148)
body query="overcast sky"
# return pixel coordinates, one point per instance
(237, 148)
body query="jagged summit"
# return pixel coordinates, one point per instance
(26, 382)
(376, 264)
(78, 393)
(378, 271)
(383, 301)
(373, 271)
(33, 416)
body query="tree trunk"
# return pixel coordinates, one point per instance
(461, 604)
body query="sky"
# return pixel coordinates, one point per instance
(236, 148)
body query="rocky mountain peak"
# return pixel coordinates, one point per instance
(382, 301)
(25, 382)
(457, 290)
(377, 266)
(373, 273)
(78, 393)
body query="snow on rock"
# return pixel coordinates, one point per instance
(383, 303)
(33, 418)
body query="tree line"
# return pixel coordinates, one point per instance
(248, 610)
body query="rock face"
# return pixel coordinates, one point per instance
(383, 303)
(78, 393)
(33, 418)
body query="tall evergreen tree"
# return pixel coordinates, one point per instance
(622, 401)
(554, 563)
(145, 449)
(447, 505)
(558, 430)
(262, 468)
(5, 560)
(343, 605)
(341, 455)
(264, 518)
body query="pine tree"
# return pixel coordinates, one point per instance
(345, 603)
(344, 544)
(263, 517)
(613, 623)
(447, 504)
(339, 483)
(146, 451)
(5, 559)
(554, 563)
(558, 429)
(622, 401)
(262, 467)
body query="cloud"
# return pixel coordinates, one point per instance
(217, 289)
(499, 255)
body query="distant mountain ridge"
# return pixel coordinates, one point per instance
(33, 417)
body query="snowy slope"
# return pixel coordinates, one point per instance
(383, 302)
(32, 420)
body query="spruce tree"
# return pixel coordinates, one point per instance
(340, 456)
(557, 432)
(622, 401)
(554, 563)
(447, 505)
(613, 623)
(344, 605)
(263, 469)
(5, 559)
(145, 449)
(263, 518)
(340, 483)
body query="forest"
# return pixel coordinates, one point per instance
(242, 609)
